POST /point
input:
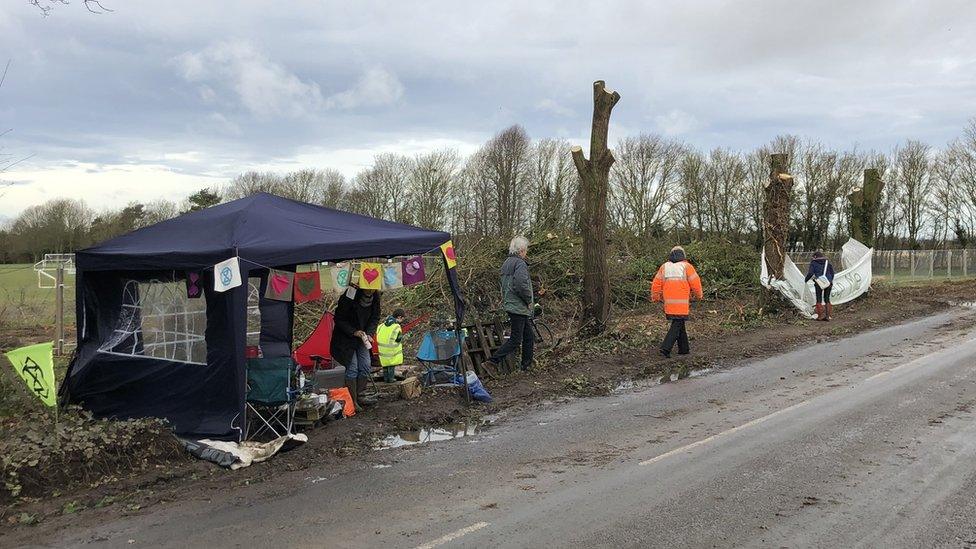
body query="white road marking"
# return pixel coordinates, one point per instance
(746, 425)
(453, 535)
(762, 419)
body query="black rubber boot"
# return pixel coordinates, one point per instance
(352, 385)
(363, 382)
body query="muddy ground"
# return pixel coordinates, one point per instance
(723, 333)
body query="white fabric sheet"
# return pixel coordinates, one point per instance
(849, 284)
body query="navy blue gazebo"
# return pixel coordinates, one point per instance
(205, 396)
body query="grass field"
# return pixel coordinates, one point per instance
(22, 303)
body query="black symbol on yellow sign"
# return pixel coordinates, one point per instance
(35, 378)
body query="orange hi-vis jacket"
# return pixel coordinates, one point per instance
(674, 284)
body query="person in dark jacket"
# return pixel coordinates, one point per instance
(517, 298)
(819, 266)
(357, 315)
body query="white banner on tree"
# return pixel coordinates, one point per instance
(849, 283)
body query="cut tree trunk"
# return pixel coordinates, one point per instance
(594, 174)
(776, 214)
(864, 207)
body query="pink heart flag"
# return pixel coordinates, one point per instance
(279, 283)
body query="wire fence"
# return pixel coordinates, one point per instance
(908, 264)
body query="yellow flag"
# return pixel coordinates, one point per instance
(447, 249)
(35, 364)
(370, 276)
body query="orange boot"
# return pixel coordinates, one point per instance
(830, 311)
(820, 311)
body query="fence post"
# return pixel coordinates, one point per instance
(931, 263)
(59, 305)
(911, 258)
(948, 263)
(891, 261)
(965, 268)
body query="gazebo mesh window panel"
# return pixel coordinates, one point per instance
(157, 320)
(253, 311)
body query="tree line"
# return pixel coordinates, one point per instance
(659, 188)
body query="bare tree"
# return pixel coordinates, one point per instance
(915, 185)
(363, 198)
(57, 226)
(158, 210)
(723, 180)
(757, 174)
(505, 165)
(965, 151)
(432, 182)
(817, 193)
(848, 171)
(333, 187)
(47, 6)
(642, 181)
(554, 181)
(691, 208)
(252, 182)
(947, 199)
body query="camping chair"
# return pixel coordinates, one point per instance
(439, 354)
(272, 391)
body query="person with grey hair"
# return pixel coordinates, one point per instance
(517, 298)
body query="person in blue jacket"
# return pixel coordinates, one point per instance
(819, 266)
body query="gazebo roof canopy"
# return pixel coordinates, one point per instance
(264, 229)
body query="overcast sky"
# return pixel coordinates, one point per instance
(159, 99)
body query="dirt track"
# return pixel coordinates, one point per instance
(721, 338)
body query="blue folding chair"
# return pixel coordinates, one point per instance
(439, 354)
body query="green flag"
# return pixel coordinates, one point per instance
(35, 363)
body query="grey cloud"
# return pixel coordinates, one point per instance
(241, 85)
(264, 87)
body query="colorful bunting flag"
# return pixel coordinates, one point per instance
(35, 365)
(413, 271)
(370, 276)
(354, 273)
(308, 286)
(194, 287)
(392, 276)
(279, 285)
(227, 275)
(447, 249)
(339, 277)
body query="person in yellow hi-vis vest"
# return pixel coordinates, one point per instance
(389, 340)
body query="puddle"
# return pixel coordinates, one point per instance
(963, 304)
(382, 466)
(423, 436)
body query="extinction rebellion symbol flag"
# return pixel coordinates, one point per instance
(35, 365)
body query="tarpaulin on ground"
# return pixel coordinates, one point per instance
(849, 284)
(235, 455)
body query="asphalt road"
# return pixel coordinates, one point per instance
(864, 442)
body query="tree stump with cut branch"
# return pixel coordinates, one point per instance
(864, 207)
(594, 175)
(776, 214)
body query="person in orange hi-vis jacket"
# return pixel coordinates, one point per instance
(675, 283)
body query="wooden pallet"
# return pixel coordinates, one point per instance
(484, 338)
